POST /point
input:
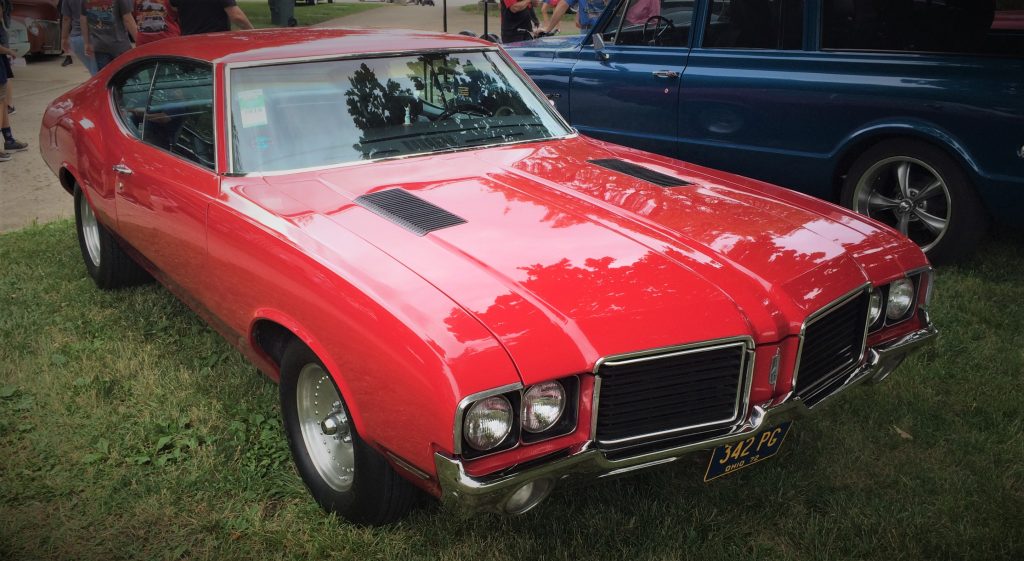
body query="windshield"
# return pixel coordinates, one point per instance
(302, 115)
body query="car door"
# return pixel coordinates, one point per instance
(628, 92)
(165, 178)
(751, 93)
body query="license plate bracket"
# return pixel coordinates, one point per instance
(732, 457)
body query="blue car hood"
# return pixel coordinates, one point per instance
(552, 44)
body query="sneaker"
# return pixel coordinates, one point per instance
(4, 156)
(11, 110)
(15, 146)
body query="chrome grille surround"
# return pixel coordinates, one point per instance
(744, 344)
(829, 382)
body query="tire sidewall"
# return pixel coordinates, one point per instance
(95, 271)
(344, 503)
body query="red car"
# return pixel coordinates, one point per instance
(457, 292)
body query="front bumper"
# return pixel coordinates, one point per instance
(585, 462)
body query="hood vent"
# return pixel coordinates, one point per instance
(640, 172)
(408, 211)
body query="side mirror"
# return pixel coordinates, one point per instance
(599, 46)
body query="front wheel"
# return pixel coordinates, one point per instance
(919, 190)
(343, 473)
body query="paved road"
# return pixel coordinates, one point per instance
(29, 192)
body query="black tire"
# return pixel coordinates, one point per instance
(948, 223)
(377, 495)
(108, 265)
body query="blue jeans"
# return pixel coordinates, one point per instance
(103, 59)
(78, 47)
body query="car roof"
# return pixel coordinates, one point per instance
(303, 42)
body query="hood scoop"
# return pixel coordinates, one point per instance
(408, 211)
(640, 172)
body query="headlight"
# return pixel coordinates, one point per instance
(901, 299)
(874, 306)
(543, 405)
(487, 422)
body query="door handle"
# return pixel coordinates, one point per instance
(665, 74)
(123, 169)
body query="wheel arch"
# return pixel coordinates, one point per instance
(856, 144)
(67, 179)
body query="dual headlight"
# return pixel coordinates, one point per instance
(896, 300)
(539, 412)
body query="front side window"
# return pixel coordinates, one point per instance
(947, 26)
(313, 114)
(755, 24)
(652, 23)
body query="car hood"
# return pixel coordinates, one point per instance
(552, 43)
(565, 261)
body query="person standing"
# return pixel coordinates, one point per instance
(517, 20)
(107, 29)
(5, 41)
(71, 33)
(10, 144)
(156, 19)
(209, 16)
(587, 14)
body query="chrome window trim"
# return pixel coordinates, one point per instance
(460, 412)
(228, 117)
(822, 312)
(157, 60)
(742, 401)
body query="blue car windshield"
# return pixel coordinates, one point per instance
(314, 114)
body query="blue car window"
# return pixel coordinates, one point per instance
(953, 26)
(652, 23)
(755, 24)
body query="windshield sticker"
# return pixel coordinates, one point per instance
(252, 108)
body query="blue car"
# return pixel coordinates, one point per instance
(909, 111)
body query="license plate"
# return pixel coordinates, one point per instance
(729, 458)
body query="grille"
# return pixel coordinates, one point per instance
(833, 345)
(640, 172)
(652, 397)
(408, 211)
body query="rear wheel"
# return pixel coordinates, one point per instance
(919, 190)
(107, 264)
(343, 473)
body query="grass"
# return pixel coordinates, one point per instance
(258, 11)
(129, 430)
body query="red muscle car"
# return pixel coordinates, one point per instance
(457, 292)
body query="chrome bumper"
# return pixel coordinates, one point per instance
(584, 462)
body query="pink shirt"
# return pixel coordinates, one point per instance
(642, 10)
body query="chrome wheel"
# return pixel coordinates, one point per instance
(326, 429)
(90, 231)
(907, 194)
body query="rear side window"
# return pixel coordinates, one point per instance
(131, 95)
(179, 117)
(755, 24)
(941, 26)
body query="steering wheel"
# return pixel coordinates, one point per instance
(467, 107)
(658, 30)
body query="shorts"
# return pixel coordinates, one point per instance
(5, 69)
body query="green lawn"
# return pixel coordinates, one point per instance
(258, 11)
(129, 430)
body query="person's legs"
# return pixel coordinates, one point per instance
(78, 47)
(10, 144)
(4, 156)
(102, 60)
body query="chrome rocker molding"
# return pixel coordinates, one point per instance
(586, 462)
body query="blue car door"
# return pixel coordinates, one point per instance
(628, 92)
